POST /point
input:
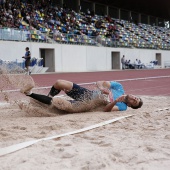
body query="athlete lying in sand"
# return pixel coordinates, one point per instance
(116, 100)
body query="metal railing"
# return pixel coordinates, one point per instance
(11, 34)
(21, 63)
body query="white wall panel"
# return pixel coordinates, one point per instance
(96, 59)
(76, 58)
(73, 58)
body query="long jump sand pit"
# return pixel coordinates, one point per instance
(141, 141)
(138, 142)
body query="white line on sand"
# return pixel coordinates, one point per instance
(19, 146)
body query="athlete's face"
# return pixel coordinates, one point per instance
(132, 100)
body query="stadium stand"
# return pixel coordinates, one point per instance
(21, 21)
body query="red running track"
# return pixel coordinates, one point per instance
(158, 86)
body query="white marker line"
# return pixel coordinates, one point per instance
(4, 104)
(145, 78)
(16, 147)
(162, 109)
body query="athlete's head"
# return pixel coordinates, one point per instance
(27, 48)
(133, 101)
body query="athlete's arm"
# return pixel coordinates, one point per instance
(111, 107)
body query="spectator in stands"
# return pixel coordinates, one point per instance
(17, 22)
(3, 3)
(88, 12)
(109, 19)
(121, 23)
(113, 38)
(94, 33)
(27, 58)
(98, 24)
(27, 18)
(32, 12)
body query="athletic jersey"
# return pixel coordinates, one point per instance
(117, 91)
(28, 55)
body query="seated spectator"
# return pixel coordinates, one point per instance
(154, 62)
(141, 65)
(88, 12)
(136, 64)
(131, 66)
(126, 64)
(98, 24)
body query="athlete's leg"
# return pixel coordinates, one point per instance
(27, 91)
(62, 104)
(41, 98)
(79, 93)
(59, 85)
(27, 64)
(71, 89)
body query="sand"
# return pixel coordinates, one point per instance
(139, 142)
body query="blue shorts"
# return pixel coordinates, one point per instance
(80, 93)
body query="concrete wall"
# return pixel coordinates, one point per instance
(75, 58)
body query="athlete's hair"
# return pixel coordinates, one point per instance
(27, 48)
(139, 105)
